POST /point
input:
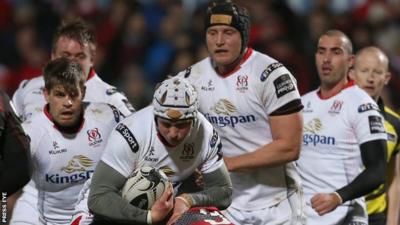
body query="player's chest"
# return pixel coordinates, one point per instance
(325, 116)
(177, 162)
(238, 83)
(63, 162)
(57, 149)
(330, 109)
(233, 95)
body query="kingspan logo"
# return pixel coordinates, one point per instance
(224, 108)
(311, 137)
(78, 167)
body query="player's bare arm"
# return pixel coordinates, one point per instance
(286, 131)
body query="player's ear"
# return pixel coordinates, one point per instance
(352, 73)
(388, 76)
(351, 60)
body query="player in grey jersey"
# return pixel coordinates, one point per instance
(171, 135)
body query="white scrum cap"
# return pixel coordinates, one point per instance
(175, 99)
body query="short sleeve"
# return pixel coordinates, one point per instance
(122, 104)
(279, 87)
(18, 99)
(121, 149)
(214, 154)
(368, 122)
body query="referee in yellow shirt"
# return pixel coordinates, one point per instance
(371, 73)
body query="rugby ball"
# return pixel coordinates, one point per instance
(144, 187)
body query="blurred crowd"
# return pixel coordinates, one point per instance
(140, 42)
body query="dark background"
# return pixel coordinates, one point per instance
(140, 42)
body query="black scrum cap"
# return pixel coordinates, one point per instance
(228, 13)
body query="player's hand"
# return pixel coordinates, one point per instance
(324, 203)
(180, 208)
(163, 205)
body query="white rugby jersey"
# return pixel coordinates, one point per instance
(62, 163)
(135, 143)
(82, 214)
(28, 98)
(238, 105)
(334, 128)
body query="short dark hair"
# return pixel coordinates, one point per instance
(348, 45)
(65, 72)
(75, 29)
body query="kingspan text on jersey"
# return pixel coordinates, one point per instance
(57, 179)
(223, 121)
(318, 139)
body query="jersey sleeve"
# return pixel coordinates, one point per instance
(368, 122)
(279, 87)
(394, 119)
(18, 98)
(214, 154)
(34, 136)
(114, 116)
(121, 149)
(122, 104)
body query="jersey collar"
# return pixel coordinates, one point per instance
(246, 55)
(350, 83)
(381, 106)
(92, 73)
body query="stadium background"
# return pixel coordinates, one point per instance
(140, 42)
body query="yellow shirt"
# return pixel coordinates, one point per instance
(377, 200)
